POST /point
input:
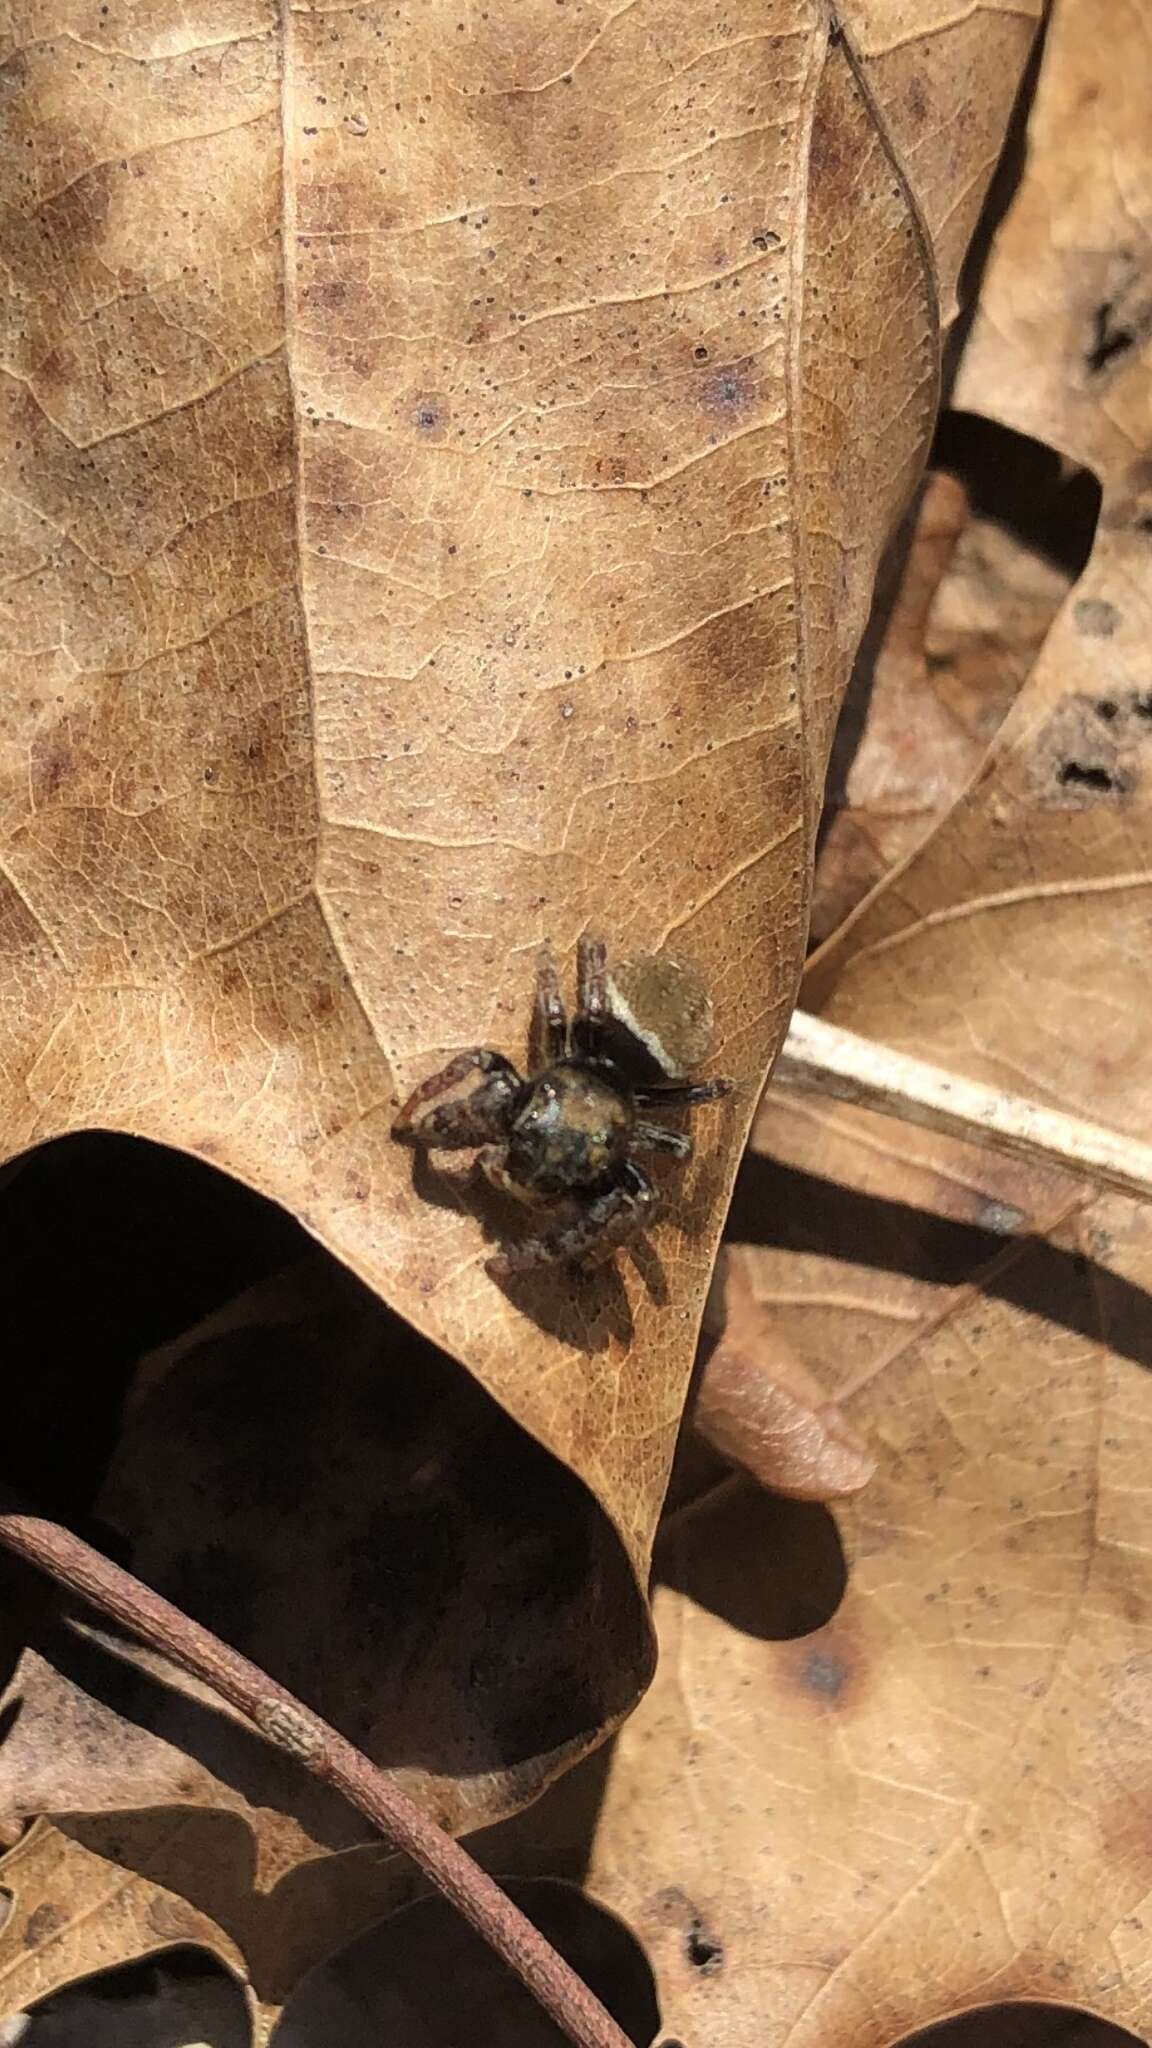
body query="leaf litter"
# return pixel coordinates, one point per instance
(831, 1825)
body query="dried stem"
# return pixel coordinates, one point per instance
(821, 1059)
(300, 1734)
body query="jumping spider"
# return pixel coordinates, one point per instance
(567, 1132)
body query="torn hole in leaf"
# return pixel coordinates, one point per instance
(182, 1999)
(342, 1502)
(111, 1246)
(1021, 2026)
(965, 600)
(1050, 506)
(1090, 749)
(425, 1980)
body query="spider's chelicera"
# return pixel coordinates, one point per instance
(568, 1133)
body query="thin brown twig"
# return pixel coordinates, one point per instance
(291, 1727)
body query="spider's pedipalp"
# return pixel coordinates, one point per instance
(472, 1119)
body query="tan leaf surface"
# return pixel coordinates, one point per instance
(74, 1913)
(939, 1799)
(349, 1509)
(447, 456)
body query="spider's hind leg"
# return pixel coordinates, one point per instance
(470, 1119)
(609, 1220)
(492, 1162)
(654, 1138)
(681, 1094)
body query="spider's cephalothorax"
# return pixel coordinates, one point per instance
(569, 1132)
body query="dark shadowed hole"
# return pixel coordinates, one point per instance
(1021, 2026)
(1022, 484)
(162, 2002)
(425, 1980)
(435, 1525)
(774, 1568)
(111, 1246)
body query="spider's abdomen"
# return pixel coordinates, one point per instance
(572, 1132)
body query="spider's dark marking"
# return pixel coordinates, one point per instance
(567, 1133)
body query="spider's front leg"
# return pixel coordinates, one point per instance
(551, 1020)
(591, 994)
(473, 1119)
(609, 1220)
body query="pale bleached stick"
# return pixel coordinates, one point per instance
(821, 1059)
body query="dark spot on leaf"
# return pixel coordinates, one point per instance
(1095, 616)
(1111, 337)
(51, 767)
(731, 388)
(42, 1925)
(825, 1674)
(326, 296)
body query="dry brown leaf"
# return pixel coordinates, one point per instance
(349, 1509)
(757, 1405)
(447, 458)
(74, 1913)
(940, 1798)
(1012, 945)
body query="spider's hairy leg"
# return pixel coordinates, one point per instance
(551, 1019)
(654, 1138)
(609, 1220)
(681, 1094)
(471, 1120)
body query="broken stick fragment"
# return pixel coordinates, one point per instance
(818, 1058)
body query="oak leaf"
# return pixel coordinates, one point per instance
(447, 460)
(934, 1800)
